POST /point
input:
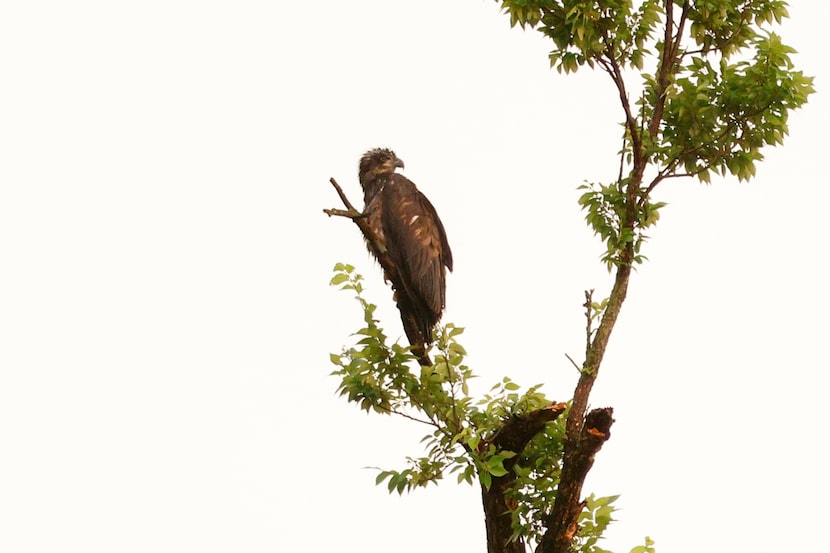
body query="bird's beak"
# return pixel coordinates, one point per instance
(399, 163)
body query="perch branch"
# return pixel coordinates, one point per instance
(342, 195)
(343, 213)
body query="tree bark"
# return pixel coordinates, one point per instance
(562, 523)
(497, 517)
(513, 436)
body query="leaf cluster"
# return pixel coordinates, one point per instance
(537, 471)
(606, 209)
(380, 378)
(377, 376)
(594, 520)
(370, 372)
(720, 114)
(586, 31)
(715, 87)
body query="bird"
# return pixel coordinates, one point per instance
(407, 226)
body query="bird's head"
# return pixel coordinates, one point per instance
(380, 161)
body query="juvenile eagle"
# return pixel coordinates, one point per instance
(407, 226)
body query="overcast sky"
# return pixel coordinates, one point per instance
(165, 318)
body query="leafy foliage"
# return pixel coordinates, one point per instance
(537, 477)
(716, 87)
(606, 206)
(376, 376)
(648, 547)
(593, 521)
(720, 114)
(379, 378)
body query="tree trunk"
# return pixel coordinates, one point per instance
(513, 436)
(497, 517)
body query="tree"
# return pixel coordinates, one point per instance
(715, 87)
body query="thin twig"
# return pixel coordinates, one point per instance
(589, 294)
(573, 362)
(342, 195)
(348, 213)
(410, 417)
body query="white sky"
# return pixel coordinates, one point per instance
(165, 318)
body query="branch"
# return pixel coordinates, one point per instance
(518, 430)
(611, 67)
(358, 217)
(562, 523)
(342, 195)
(671, 47)
(343, 213)
(573, 362)
(668, 171)
(391, 411)
(589, 294)
(584, 435)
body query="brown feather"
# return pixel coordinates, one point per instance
(409, 229)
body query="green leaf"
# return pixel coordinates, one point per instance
(497, 470)
(647, 548)
(339, 278)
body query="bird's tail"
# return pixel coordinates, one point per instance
(418, 329)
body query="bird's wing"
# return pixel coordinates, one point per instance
(417, 243)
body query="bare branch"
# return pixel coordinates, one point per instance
(410, 417)
(343, 213)
(573, 362)
(668, 60)
(589, 294)
(342, 195)
(610, 65)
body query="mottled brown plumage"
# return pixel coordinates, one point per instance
(408, 227)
